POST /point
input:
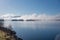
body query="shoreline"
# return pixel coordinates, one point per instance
(7, 34)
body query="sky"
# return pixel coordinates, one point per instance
(22, 7)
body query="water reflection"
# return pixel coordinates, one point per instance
(35, 30)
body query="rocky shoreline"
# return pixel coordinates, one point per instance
(8, 34)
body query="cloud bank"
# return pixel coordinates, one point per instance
(40, 17)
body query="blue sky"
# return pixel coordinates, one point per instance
(21, 7)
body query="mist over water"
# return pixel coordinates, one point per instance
(7, 23)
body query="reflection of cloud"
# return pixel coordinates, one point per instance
(57, 37)
(41, 17)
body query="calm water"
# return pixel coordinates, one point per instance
(37, 30)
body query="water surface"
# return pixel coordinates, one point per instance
(37, 30)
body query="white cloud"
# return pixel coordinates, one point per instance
(41, 17)
(7, 16)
